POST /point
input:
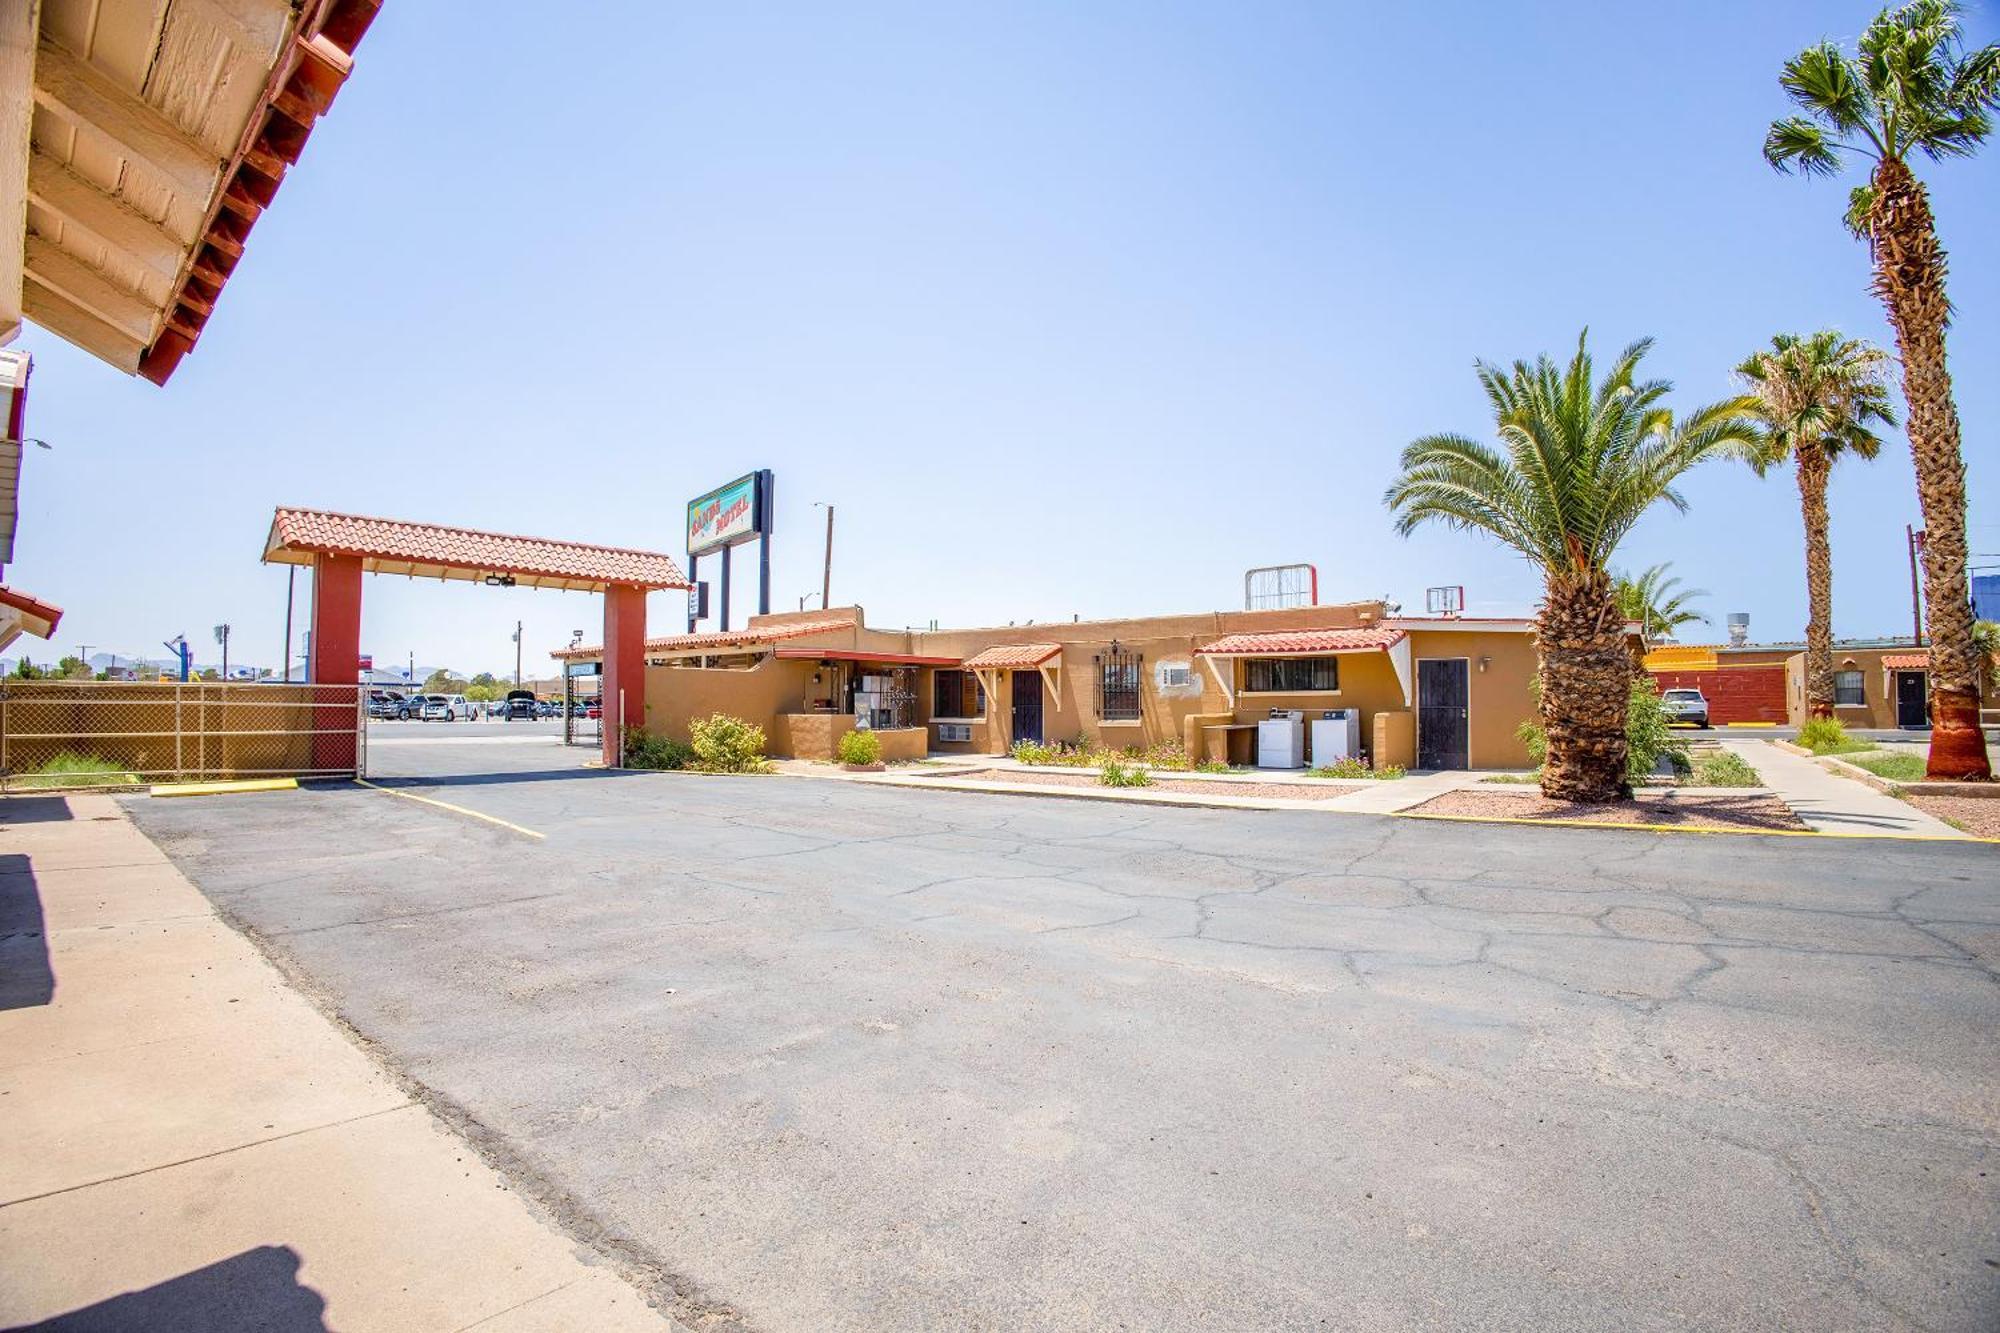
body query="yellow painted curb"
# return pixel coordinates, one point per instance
(1748, 724)
(1688, 828)
(225, 788)
(455, 809)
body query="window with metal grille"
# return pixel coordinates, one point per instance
(1290, 675)
(957, 694)
(1848, 690)
(1118, 686)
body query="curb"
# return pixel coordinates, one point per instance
(1690, 828)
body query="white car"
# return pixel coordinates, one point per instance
(1689, 706)
(446, 708)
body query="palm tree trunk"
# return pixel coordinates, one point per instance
(1586, 677)
(1909, 277)
(1814, 467)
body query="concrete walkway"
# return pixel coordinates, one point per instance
(1830, 803)
(190, 1144)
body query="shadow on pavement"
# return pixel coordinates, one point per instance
(33, 810)
(255, 1289)
(26, 979)
(492, 779)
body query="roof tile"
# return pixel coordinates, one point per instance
(318, 532)
(1306, 641)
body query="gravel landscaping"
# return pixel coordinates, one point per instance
(1706, 811)
(1262, 791)
(1977, 815)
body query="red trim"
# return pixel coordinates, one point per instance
(856, 655)
(32, 606)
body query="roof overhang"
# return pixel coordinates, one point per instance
(1304, 643)
(1013, 656)
(22, 614)
(139, 144)
(430, 550)
(861, 655)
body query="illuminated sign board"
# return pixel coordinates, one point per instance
(730, 514)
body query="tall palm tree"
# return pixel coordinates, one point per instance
(1819, 395)
(1911, 87)
(1656, 601)
(1578, 463)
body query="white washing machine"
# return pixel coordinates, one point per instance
(1336, 735)
(1281, 739)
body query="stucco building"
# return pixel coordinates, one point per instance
(1433, 692)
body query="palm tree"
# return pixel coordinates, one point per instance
(1578, 463)
(1656, 601)
(1818, 396)
(1911, 87)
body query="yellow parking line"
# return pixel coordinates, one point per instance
(1686, 828)
(455, 809)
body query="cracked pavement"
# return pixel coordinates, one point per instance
(819, 1055)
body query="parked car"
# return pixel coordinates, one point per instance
(1690, 706)
(520, 704)
(593, 708)
(384, 706)
(439, 708)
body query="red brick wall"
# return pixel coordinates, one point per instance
(1734, 694)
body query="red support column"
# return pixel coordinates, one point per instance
(624, 699)
(335, 659)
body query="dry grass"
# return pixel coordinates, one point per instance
(1739, 812)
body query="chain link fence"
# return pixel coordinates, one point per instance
(74, 732)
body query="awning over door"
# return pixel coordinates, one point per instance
(1310, 643)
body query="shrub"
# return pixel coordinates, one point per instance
(1647, 736)
(643, 750)
(68, 768)
(1117, 773)
(1168, 754)
(1354, 767)
(1211, 766)
(1720, 768)
(1031, 752)
(725, 744)
(860, 749)
(1825, 735)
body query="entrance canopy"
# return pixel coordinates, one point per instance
(340, 548)
(428, 550)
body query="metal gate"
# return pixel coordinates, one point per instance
(1443, 711)
(69, 733)
(1028, 706)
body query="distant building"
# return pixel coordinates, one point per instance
(1986, 596)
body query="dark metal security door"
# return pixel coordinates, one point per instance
(1910, 699)
(1443, 710)
(1028, 706)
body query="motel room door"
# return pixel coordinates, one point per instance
(1028, 706)
(1910, 699)
(1443, 712)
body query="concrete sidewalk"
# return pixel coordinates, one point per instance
(191, 1145)
(1830, 803)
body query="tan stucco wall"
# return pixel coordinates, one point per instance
(1878, 687)
(1500, 697)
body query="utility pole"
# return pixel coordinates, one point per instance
(826, 566)
(222, 637)
(517, 654)
(1916, 543)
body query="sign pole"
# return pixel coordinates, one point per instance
(725, 588)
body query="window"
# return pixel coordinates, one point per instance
(957, 694)
(1118, 686)
(1290, 675)
(1847, 689)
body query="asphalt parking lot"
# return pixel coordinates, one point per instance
(814, 1055)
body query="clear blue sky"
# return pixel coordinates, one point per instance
(1069, 309)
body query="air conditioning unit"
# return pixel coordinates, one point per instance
(954, 731)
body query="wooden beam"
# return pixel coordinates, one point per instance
(62, 316)
(68, 276)
(77, 92)
(18, 23)
(110, 220)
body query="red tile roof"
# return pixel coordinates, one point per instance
(1906, 661)
(393, 546)
(32, 608)
(737, 638)
(1004, 656)
(1306, 641)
